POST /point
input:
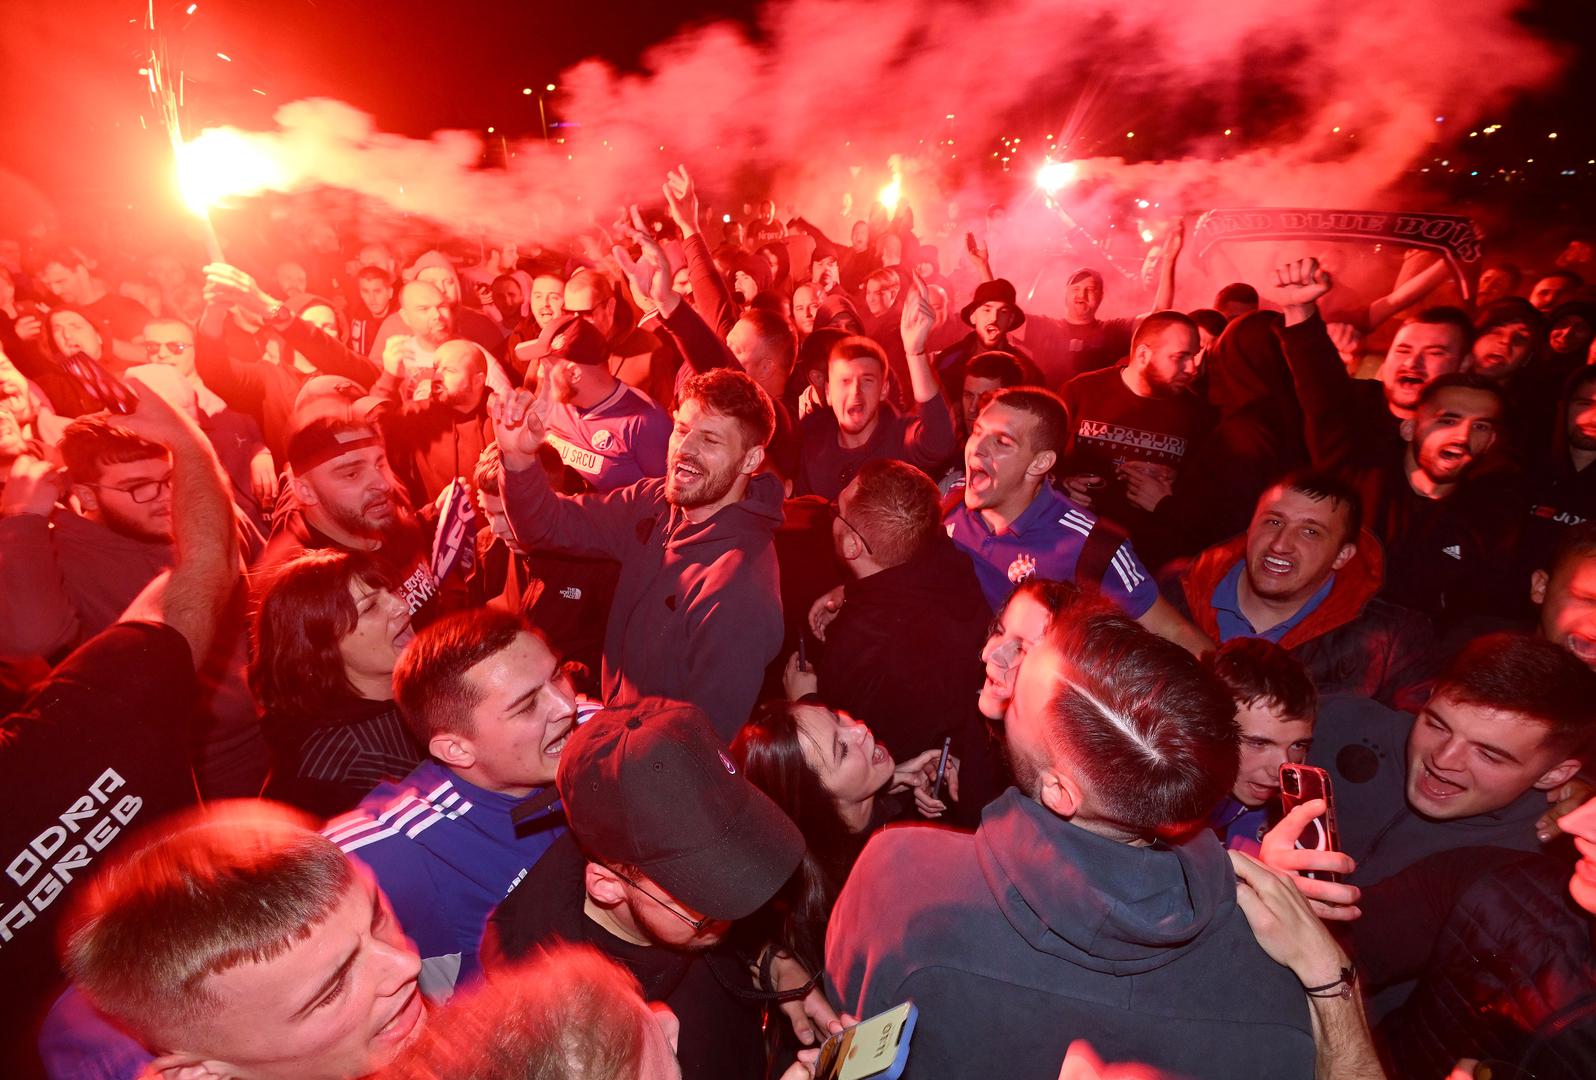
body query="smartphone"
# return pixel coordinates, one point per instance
(873, 1049)
(1304, 783)
(942, 768)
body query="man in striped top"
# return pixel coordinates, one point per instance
(486, 697)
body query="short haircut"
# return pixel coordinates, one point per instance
(1576, 544)
(235, 883)
(296, 669)
(565, 1013)
(1320, 486)
(1210, 320)
(91, 443)
(429, 682)
(1152, 733)
(1000, 366)
(858, 347)
(1447, 315)
(1462, 380)
(886, 277)
(1531, 677)
(1046, 408)
(1256, 669)
(776, 339)
(1506, 312)
(896, 508)
(373, 273)
(488, 476)
(1573, 279)
(57, 254)
(1237, 292)
(1155, 324)
(601, 285)
(734, 394)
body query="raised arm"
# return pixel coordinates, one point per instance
(712, 299)
(930, 440)
(1324, 388)
(1164, 298)
(192, 596)
(232, 285)
(1408, 292)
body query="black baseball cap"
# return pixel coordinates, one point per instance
(573, 338)
(650, 785)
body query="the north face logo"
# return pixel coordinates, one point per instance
(1454, 550)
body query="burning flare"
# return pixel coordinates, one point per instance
(1055, 176)
(220, 163)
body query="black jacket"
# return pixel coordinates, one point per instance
(904, 658)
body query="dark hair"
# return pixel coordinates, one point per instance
(1156, 324)
(68, 309)
(769, 752)
(1047, 408)
(1461, 380)
(775, 335)
(1447, 315)
(815, 351)
(90, 443)
(1210, 320)
(1528, 676)
(1319, 486)
(1576, 544)
(1507, 311)
(995, 365)
(56, 255)
(373, 273)
(1514, 274)
(305, 611)
(488, 476)
(734, 394)
(1256, 669)
(429, 682)
(897, 509)
(1573, 279)
(1153, 734)
(1237, 292)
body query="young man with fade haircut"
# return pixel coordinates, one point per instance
(375, 288)
(239, 943)
(1091, 902)
(1275, 708)
(697, 611)
(488, 700)
(669, 847)
(1132, 425)
(1359, 420)
(1014, 523)
(1565, 592)
(1307, 576)
(105, 738)
(861, 425)
(348, 499)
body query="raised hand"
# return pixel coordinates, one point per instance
(649, 274)
(823, 611)
(229, 285)
(1331, 900)
(518, 428)
(918, 317)
(1300, 283)
(1284, 924)
(681, 198)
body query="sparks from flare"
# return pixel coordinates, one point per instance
(1054, 176)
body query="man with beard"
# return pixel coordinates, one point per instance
(610, 434)
(697, 613)
(1132, 424)
(348, 500)
(1089, 903)
(1080, 341)
(991, 313)
(1357, 421)
(439, 437)
(489, 701)
(65, 273)
(426, 322)
(64, 577)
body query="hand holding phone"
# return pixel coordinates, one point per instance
(1301, 784)
(873, 1049)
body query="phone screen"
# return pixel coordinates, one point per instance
(877, 1047)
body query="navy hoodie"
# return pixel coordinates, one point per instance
(697, 611)
(1033, 932)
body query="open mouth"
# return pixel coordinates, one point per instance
(403, 1022)
(554, 746)
(1262, 791)
(404, 636)
(685, 473)
(1454, 455)
(1274, 564)
(1582, 647)
(1407, 378)
(1435, 787)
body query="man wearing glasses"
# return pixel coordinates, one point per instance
(669, 846)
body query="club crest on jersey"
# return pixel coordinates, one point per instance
(602, 439)
(1022, 568)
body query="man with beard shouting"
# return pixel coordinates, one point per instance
(697, 611)
(347, 499)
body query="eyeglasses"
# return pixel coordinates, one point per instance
(145, 491)
(176, 348)
(836, 512)
(697, 924)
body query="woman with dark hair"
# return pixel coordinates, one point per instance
(839, 785)
(328, 633)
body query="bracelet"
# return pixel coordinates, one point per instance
(1341, 988)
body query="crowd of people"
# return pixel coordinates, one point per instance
(649, 658)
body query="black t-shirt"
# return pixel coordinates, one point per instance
(1110, 425)
(720, 1031)
(97, 754)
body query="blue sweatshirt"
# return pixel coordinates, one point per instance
(445, 852)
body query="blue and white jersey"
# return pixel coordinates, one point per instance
(445, 852)
(1046, 541)
(619, 441)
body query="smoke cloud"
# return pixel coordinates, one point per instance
(826, 90)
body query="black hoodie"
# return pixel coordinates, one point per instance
(1034, 932)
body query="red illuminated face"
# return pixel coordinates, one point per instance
(1419, 354)
(1452, 432)
(1466, 759)
(1568, 606)
(1269, 739)
(853, 386)
(1501, 351)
